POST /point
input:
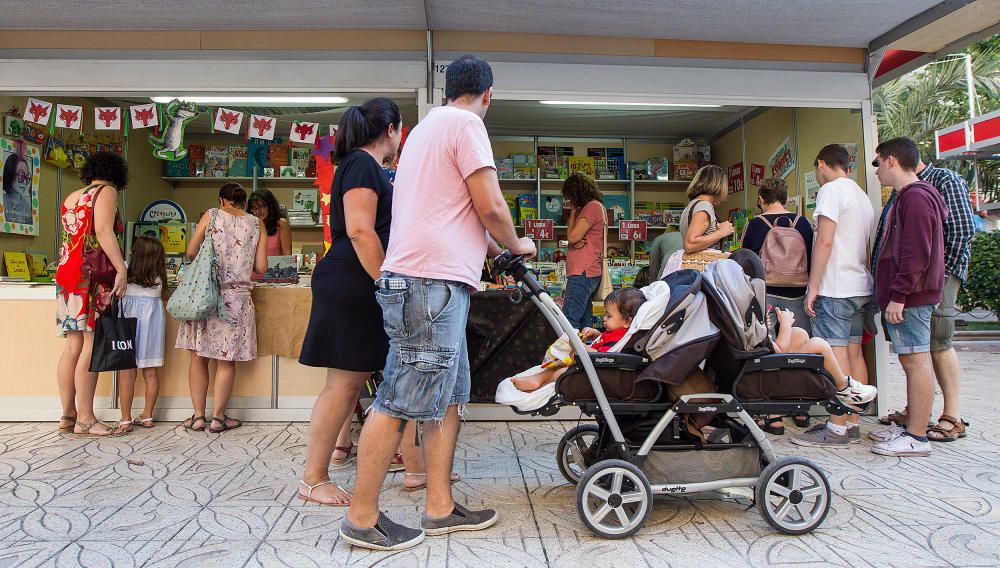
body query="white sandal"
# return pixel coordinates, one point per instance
(124, 426)
(143, 422)
(309, 498)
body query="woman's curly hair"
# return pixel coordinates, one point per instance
(106, 166)
(580, 189)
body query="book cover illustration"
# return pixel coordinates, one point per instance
(173, 236)
(216, 161)
(300, 160)
(280, 270)
(196, 160)
(552, 208)
(257, 157)
(238, 161)
(583, 164)
(618, 208)
(17, 265)
(277, 156)
(527, 206)
(305, 200)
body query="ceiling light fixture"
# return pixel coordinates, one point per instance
(617, 104)
(255, 100)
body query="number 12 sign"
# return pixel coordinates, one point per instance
(538, 229)
(632, 230)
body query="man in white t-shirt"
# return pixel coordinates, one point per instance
(840, 284)
(447, 209)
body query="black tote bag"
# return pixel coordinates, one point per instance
(114, 341)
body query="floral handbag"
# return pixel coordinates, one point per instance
(198, 296)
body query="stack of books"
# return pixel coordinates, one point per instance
(300, 218)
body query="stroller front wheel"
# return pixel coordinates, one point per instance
(793, 495)
(613, 499)
(575, 452)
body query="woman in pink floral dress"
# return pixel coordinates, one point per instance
(89, 221)
(240, 250)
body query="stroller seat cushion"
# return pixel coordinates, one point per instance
(510, 395)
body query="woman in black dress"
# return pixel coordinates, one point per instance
(345, 332)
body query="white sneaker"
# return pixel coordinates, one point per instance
(887, 434)
(857, 393)
(903, 447)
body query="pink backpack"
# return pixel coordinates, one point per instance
(786, 261)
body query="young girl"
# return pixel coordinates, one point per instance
(147, 278)
(620, 308)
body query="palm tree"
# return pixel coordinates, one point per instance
(935, 96)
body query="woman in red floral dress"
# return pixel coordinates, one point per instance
(79, 300)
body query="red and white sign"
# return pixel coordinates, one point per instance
(538, 229)
(69, 116)
(107, 118)
(952, 141)
(632, 230)
(143, 116)
(304, 132)
(735, 173)
(261, 127)
(986, 131)
(756, 174)
(38, 112)
(230, 121)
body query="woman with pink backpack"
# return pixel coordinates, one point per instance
(784, 242)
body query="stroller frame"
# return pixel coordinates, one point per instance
(606, 478)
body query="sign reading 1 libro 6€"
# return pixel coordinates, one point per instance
(631, 230)
(538, 229)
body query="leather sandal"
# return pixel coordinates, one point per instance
(85, 432)
(71, 420)
(189, 423)
(897, 417)
(225, 424)
(938, 434)
(343, 462)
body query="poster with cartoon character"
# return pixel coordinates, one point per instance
(21, 168)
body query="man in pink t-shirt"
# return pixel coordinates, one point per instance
(447, 210)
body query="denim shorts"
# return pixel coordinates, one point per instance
(427, 369)
(913, 335)
(840, 321)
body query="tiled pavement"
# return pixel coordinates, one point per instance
(203, 500)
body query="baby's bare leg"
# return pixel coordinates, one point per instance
(818, 346)
(534, 382)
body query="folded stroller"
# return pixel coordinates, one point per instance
(639, 447)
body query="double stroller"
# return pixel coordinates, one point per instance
(642, 444)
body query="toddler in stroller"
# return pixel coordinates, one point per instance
(638, 448)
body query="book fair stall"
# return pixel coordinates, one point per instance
(641, 144)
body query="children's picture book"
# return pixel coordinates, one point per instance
(196, 160)
(17, 265)
(305, 200)
(280, 270)
(505, 168)
(512, 205)
(257, 156)
(177, 168)
(238, 161)
(552, 208)
(618, 208)
(584, 164)
(300, 160)
(37, 264)
(216, 161)
(173, 236)
(527, 206)
(277, 155)
(56, 153)
(287, 172)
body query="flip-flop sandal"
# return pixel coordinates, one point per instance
(143, 422)
(71, 419)
(341, 463)
(941, 435)
(225, 424)
(124, 426)
(85, 432)
(191, 421)
(454, 477)
(309, 498)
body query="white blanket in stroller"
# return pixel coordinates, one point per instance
(657, 296)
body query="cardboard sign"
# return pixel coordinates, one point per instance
(756, 174)
(631, 230)
(735, 174)
(538, 229)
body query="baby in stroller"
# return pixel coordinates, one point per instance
(620, 308)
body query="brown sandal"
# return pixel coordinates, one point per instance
(956, 431)
(71, 420)
(341, 463)
(896, 417)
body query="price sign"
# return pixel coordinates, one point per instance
(632, 230)
(538, 229)
(756, 174)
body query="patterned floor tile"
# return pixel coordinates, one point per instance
(215, 524)
(30, 554)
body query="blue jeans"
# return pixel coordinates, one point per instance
(427, 369)
(913, 334)
(577, 305)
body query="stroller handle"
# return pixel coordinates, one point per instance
(513, 265)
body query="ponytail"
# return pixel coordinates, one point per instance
(235, 193)
(363, 124)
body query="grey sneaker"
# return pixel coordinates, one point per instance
(461, 519)
(385, 535)
(854, 434)
(819, 436)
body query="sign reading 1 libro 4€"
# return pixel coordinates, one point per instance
(538, 229)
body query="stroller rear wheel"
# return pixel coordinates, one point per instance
(613, 499)
(793, 495)
(575, 452)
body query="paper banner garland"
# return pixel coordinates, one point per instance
(230, 121)
(143, 116)
(107, 118)
(170, 145)
(69, 116)
(261, 127)
(38, 112)
(304, 132)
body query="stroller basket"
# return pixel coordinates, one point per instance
(699, 466)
